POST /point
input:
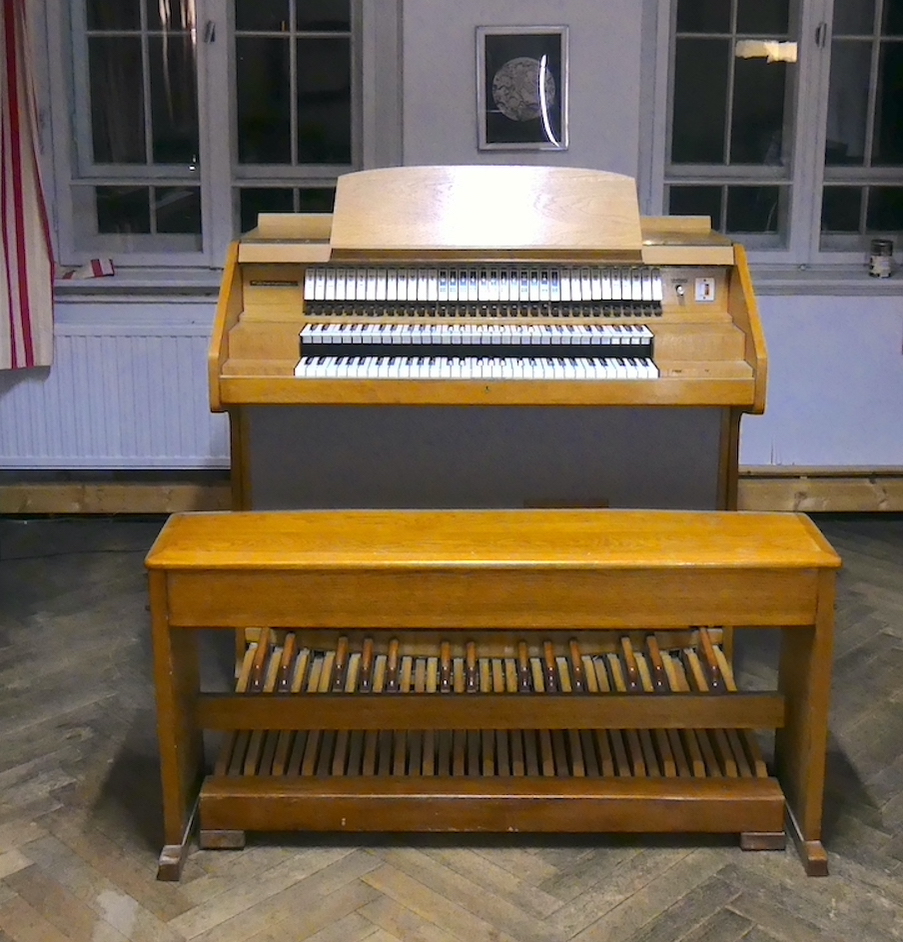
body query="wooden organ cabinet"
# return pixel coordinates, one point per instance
(505, 668)
(485, 337)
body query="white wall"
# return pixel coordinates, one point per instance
(439, 80)
(835, 391)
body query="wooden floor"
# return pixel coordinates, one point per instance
(80, 802)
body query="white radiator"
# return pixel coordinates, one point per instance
(127, 389)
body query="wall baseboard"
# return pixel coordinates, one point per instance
(814, 490)
(810, 490)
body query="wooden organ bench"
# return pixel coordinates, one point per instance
(538, 670)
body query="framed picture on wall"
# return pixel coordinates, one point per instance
(522, 87)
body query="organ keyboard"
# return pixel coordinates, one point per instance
(488, 286)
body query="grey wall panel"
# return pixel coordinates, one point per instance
(372, 456)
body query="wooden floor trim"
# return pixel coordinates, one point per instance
(812, 490)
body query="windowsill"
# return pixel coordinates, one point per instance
(836, 280)
(175, 284)
(141, 284)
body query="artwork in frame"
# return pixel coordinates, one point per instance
(522, 87)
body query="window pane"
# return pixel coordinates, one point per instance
(262, 14)
(758, 115)
(332, 15)
(848, 94)
(700, 97)
(174, 106)
(113, 14)
(763, 17)
(317, 199)
(752, 208)
(696, 201)
(893, 18)
(123, 209)
(887, 147)
(170, 14)
(854, 17)
(324, 101)
(264, 120)
(885, 209)
(254, 200)
(117, 99)
(178, 209)
(704, 16)
(840, 209)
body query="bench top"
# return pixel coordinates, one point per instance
(489, 539)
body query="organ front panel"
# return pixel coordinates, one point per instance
(487, 286)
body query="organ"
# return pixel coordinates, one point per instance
(507, 288)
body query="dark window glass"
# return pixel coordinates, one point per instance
(763, 17)
(317, 199)
(324, 101)
(893, 18)
(262, 14)
(174, 105)
(326, 15)
(758, 114)
(700, 97)
(848, 94)
(854, 17)
(840, 208)
(123, 209)
(752, 208)
(254, 200)
(887, 148)
(696, 201)
(885, 209)
(704, 16)
(264, 120)
(117, 99)
(178, 209)
(113, 14)
(170, 14)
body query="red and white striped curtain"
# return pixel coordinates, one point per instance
(26, 265)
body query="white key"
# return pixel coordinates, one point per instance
(637, 288)
(565, 281)
(504, 285)
(330, 284)
(596, 284)
(432, 285)
(320, 284)
(656, 284)
(309, 284)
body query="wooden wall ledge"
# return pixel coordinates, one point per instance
(809, 490)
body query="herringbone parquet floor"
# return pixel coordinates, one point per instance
(80, 804)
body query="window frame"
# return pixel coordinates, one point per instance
(376, 136)
(812, 21)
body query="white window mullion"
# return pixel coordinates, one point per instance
(216, 85)
(810, 117)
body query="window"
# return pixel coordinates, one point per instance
(189, 117)
(786, 122)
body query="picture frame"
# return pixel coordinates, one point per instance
(522, 87)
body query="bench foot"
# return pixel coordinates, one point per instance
(172, 857)
(812, 853)
(221, 840)
(763, 840)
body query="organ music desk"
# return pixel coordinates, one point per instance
(517, 290)
(532, 670)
